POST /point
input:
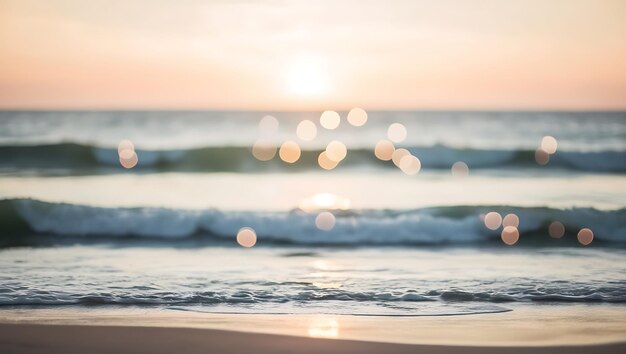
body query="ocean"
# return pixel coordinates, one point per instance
(78, 229)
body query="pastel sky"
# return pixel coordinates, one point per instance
(293, 55)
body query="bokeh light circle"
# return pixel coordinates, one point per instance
(263, 150)
(410, 165)
(336, 150)
(384, 150)
(289, 151)
(396, 132)
(357, 117)
(126, 154)
(493, 220)
(510, 235)
(325, 162)
(125, 145)
(398, 154)
(549, 144)
(268, 125)
(460, 169)
(330, 120)
(585, 236)
(325, 221)
(556, 229)
(129, 162)
(510, 220)
(542, 157)
(306, 130)
(246, 237)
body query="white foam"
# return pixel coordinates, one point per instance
(431, 225)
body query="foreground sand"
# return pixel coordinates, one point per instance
(117, 339)
(527, 329)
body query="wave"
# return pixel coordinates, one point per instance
(77, 157)
(427, 226)
(286, 297)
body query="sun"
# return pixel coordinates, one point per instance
(307, 75)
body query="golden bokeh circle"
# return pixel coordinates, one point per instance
(410, 165)
(510, 235)
(460, 169)
(510, 220)
(357, 117)
(325, 221)
(549, 144)
(336, 150)
(263, 150)
(542, 157)
(306, 130)
(384, 150)
(556, 229)
(398, 154)
(585, 236)
(289, 151)
(330, 120)
(246, 237)
(493, 220)
(396, 132)
(325, 162)
(129, 162)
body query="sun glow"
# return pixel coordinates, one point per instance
(308, 75)
(323, 327)
(325, 201)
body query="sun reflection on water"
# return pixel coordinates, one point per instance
(322, 265)
(323, 327)
(325, 201)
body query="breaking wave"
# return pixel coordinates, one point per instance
(438, 225)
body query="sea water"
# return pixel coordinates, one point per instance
(77, 229)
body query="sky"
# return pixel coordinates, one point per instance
(310, 55)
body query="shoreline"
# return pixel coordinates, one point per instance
(535, 328)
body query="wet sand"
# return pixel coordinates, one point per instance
(119, 339)
(526, 329)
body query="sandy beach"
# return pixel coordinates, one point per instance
(119, 339)
(527, 329)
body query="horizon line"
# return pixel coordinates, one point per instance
(340, 109)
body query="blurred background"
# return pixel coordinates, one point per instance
(342, 157)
